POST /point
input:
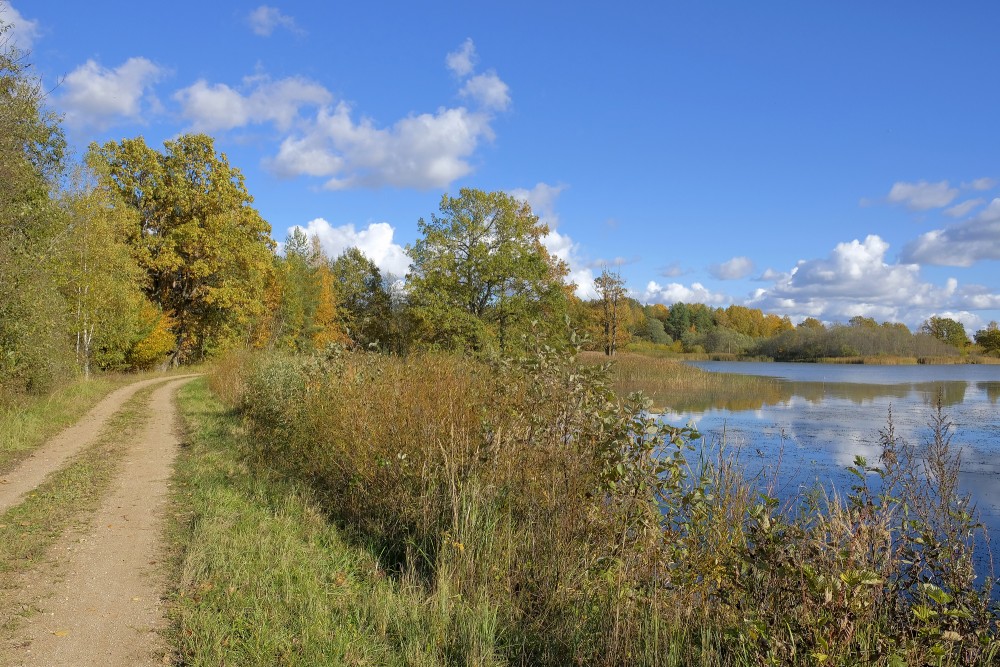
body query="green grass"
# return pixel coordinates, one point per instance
(28, 421)
(265, 579)
(63, 500)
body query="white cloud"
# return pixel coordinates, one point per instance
(855, 268)
(922, 196)
(770, 275)
(424, 151)
(24, 31)
(675, 292)
(960, 209)
(542, 200)
(734, 269)
(672, 271)
(488, 91)
(463, 61)
(264, 20)
(856, 279)
(96, 96)
(981, 184)
(428, 150)
(962, 244)
(214, 107)
(374, 241)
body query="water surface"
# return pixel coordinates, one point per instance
(815, 421)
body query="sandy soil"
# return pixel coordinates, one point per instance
(100, 593)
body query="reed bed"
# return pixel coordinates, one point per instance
(674, 385)
(552, 523)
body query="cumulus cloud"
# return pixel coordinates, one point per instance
(542, 200)
(855, 268)
(488, 91)
(23, 31)
(214, 107)
(463, 61)
(922, 196)
(856, 279)
(963, 208)
(428, 150)
(734, 269)
(264, 20)
(962, 244)
(375, 242)
(96, 96)
(676, 292)
(423, 151)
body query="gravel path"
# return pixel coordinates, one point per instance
(106, 607)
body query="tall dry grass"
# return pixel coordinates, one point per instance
(556, 524)
(671, 383)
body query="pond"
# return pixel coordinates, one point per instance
(820, 416)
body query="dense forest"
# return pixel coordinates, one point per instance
(134, 257)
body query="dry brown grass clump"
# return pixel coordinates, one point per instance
(557, 524)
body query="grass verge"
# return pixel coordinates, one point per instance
(29, 421)
(63, 500)
(266, 579)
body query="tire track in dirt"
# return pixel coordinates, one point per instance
(107, 610)
(18, 482)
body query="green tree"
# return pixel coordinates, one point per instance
(654, 331)
(100, 277)
(300, 292)
(679, 321)
(480, 275)
(812, 324)
(206, 250)
(33, 339)
(989, 338)
(364, 300)
(946, 330)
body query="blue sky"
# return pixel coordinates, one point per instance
(809, 159)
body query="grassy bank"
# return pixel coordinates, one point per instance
(267, 579)
(519, 518)
(890, 360)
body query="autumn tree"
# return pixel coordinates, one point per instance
(989, 338)
(480, 275)
(946, 330)
(812, 324)
(206, 250)
(100, 277)
(611, 293)
(862, 322)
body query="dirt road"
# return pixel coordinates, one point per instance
(105, 608)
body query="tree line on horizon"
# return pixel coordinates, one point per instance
(134, 258)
